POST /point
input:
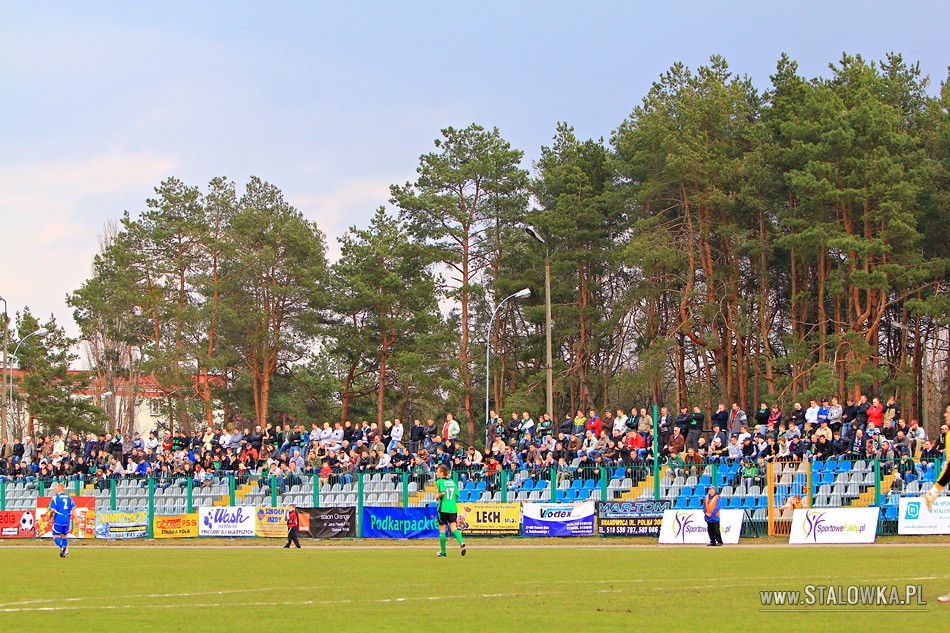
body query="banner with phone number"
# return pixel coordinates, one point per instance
(83, 524)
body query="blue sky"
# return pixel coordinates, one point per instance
(332, 102)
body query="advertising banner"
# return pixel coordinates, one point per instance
(558, 519)
(914, 518)
(631, 518)
(272, 522)
(685, 527)
(17, 524)
(121, 525)
(834, 525)
(387, 522)
(82, 526)
(175, 526)
(328, 522)
(490, 519)
(226, 521)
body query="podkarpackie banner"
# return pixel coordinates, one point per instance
(328, 522)
(121, 525)
(558, 519)
(83, 524)
(388, 522)
(17, 524)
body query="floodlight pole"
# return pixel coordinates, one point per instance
(491, 326)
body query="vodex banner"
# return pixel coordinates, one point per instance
(226, 521)
(915, 518)
(834, 525)
(558, 519)
(685, 527)
(328, 522)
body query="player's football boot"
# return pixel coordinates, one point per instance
(463, 549)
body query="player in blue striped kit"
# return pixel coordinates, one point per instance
(62, 507)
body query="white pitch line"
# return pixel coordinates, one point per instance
(288, 603)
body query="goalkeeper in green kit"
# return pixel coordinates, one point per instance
(448, 512)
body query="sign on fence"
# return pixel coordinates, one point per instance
(684, 527)
(226, 521)
(834, 525)
(490, 518)
(914, 518)
(271, 522)
(388, 522)
(558, 519)
(630, 518)
(328, 522)
(83, 524)
(175, 526)
(17, 524)
(121, 525)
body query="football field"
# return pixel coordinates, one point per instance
(501, 585)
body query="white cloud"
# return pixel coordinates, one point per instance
(51, 213)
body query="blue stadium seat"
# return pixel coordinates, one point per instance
(687, 491)
(571, 494)
(734, 503)
(844, 466)
(561, 496)
(481, 486)
(695, 503)
(831, 465)
(680, 503)
(761, 502)
(618, 474)
(590, 484)
(469, 485)
(705, 481)
(577, 484)
(749, 503)
(817, 467)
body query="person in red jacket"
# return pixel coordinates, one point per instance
(593, 424)
(876, 413)
(293, 524)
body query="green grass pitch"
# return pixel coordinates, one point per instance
(502, 585)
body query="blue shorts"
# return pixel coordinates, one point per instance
(60, 530)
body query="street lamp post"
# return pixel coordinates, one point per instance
(3, 392)
(491, 325)
(39, 333)
(549, 363)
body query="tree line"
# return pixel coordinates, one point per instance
(723, 244)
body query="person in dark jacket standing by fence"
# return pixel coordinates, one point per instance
(711, 514)
(292, 527)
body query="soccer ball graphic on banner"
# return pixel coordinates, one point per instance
(26, 522)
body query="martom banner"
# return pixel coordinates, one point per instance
(631, 518)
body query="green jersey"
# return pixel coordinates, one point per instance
(447, 502)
